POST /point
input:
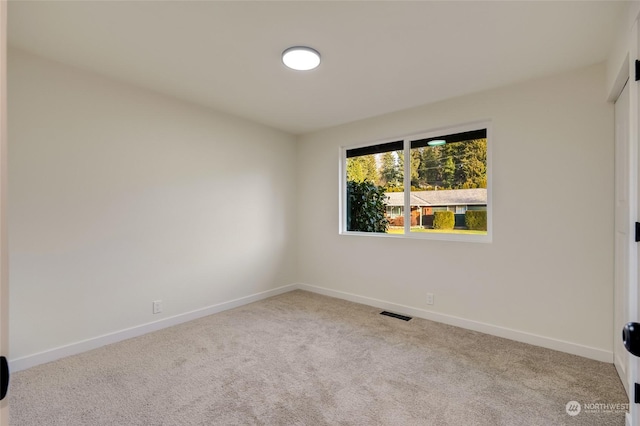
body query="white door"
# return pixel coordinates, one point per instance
(4, 293)
(624, 238)
(627, 212)
(634, 137)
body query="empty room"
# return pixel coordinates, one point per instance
(319, 213)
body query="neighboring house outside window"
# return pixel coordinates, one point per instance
(425, 203)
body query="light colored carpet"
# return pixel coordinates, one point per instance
(305, 359)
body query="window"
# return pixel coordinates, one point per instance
(431, 185)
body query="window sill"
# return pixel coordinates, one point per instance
(468, 238)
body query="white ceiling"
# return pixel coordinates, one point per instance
(378, 57)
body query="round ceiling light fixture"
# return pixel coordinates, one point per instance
(301, 58)
(436, 142)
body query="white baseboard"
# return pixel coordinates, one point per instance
(507, 333)
(620, 367)
(117, 336)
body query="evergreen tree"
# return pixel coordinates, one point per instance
(429, 170)
(457, 165)
(389, 175)
(363, 168)
(474, 164)
(448, 173)
(400, 168)
(415, 168)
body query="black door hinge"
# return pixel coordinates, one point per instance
(637, 232)
(636, 393)
(4, 377)
(637, 70)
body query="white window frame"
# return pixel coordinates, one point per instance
(443, 131)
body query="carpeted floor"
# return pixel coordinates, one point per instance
(305, 359)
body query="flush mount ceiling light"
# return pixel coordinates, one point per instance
(301, 58)
(436, 142)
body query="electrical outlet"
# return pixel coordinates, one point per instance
(429, 298)
(157, 306)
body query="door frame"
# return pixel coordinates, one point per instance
(627, 72)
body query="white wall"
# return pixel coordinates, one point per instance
(548, 274)
(119, 196)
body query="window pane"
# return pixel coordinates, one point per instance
(449, 184)
(447, 177)
(374, 177)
